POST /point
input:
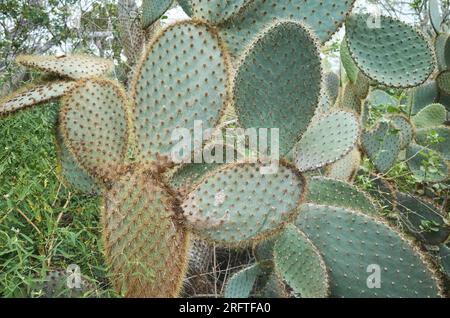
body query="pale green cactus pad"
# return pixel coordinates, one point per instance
(72, 175)
(325, 191)
(357, 247)
(350, 67)
(345, 169)
(422, 96)
(423, 219)
(407, 65)
(94, 125)
(187, 6)
(238, 203)
(216, 11)
(152, 10)
(332, 86)
(327, 140)
(442, 49)
(243, 282)
(281, 92)
(382, 145)
(434, 8)
(431, 116)
(72, 66)
(442, 147)
(300, 264)
(426, 165)
(443, 81)
(405, 128)
(145, 246)
(350, 100)
(323, 17)
(33, 95)
(169, 94)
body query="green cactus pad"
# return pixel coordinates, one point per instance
(281, 92)
(345, 168)
(216, 11)
(324, 191)
(434, 7)
(238, 203)
(383, 192)
(323, 17)
(71, 173)
(431, 116)
(332, 86)
(242, 283)
(442, 147)
(353, 245)
(382, 145)
(152, 10)
(274, 288)
(72, 66)
(170, 94)
(405, 128)
(418, 158)
(132, 36)
(444, 99)
(300, 264)
(33, 95)
(187, 6)
(422, 96)
(263, 251)
(443, 81)
(423, 219)
(350, 100)
(351, 69)
(406, 65)
(442, 48)
(327, 140)
(94, 125)
(146, 248)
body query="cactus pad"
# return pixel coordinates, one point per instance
(281, 92)
(33, 95)
(382, 145)
(216, 11)
(418, 157)
(327, 140)
(94, 125)
(145, 246)
(152, 10)
(300, 264)
(431, 116)
(442, 147)
(423, 219)
(345, 168)
(406, 65)
(323, 17)
(71, 173)
(242, 283)
(170, 94)
(186, 6)
(443, 81)
(237, 203)
(332, 86)
(350, 100)
(405, 128)
(72, 66)
(351, 243)
(422, 96)
(324, 191)
(442, 48)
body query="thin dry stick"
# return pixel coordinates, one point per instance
(29, 221)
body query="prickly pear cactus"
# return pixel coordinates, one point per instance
(261, 61)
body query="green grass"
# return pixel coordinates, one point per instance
(44, 226)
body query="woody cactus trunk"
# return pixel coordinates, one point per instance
(311, 228)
